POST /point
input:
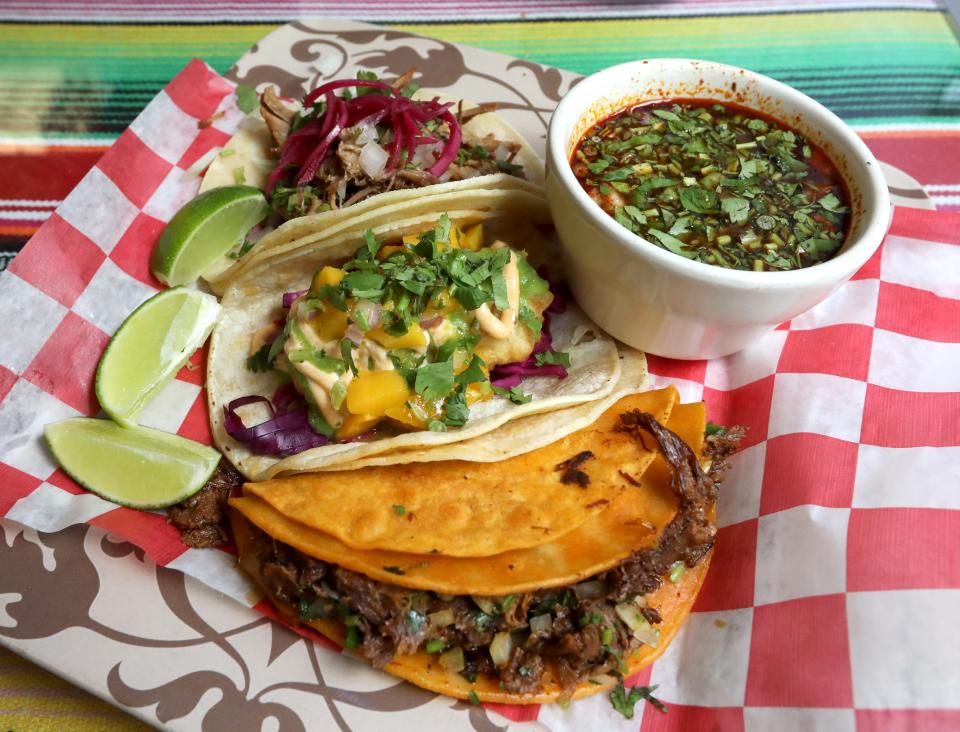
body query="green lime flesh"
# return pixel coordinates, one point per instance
(138, 467)
(149, 347)
(204, 230)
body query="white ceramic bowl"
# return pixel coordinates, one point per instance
(666, 304)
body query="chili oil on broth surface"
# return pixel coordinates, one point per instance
(717, 183)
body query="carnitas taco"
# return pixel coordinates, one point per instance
(547, 576)
(365, 142)
(387, 338)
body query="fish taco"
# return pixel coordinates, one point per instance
(391, 339)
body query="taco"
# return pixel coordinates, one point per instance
(560, 616)
(391, 337)
(366, 142)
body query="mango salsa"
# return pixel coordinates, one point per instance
(372, 393)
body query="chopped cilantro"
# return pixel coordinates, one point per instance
(715, 429)
(260, 361)
(434, 380)
(456, 412)
(473, 698)
(398, 509)
(239, 176)
(506, 602)
(625, 702)
(553, 358)
(514, 394)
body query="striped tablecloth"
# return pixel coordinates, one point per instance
(74, 74)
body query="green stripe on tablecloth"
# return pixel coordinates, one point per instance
(871, 67)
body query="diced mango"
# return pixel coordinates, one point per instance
(413, 338)
(329, 324)
(327, 276)
(472, 238)
(372, 393)
(386, 251)
(405, 417)
(478, 392)
(411, 240)
(357, 424)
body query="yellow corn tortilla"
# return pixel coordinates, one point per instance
(469, 509)
(486, 576)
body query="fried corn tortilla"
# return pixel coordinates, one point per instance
(468, 509)
(580, 553)
(251, 301)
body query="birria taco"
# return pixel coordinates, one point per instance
(384, 338)
(549, 575)
(369, 144)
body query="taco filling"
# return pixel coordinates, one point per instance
(557, 640)
(372, 137)
(404, 337)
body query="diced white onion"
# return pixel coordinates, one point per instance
(640, 601)
(441, 618)
(648, 634)
(541, 623)
(445, 176)
(501, 647)
(486, 604)
(590, 590)
(366, 132)
(367, 310)
(453, 660)
(373, 159)
(630, 615)
(342, 189)
(353, 333)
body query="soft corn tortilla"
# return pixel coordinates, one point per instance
(252, 301)
(527, 433)
(463, 509)
(596, 546)
(250, 148)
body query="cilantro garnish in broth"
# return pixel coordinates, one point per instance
(716, 183)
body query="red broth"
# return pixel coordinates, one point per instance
(716, 182)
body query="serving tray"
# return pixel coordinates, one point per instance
(165, 646)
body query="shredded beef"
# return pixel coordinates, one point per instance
(202, 518)
(585, 639)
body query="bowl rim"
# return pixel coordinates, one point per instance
(838, 268)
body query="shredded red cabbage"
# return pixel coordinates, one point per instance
(306, 149)
(290, 297)
(285, 433)
(509, 375)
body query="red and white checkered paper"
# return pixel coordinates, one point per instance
(833, 601)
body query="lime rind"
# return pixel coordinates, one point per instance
(126, 377)
(138, 467)
(202, 232)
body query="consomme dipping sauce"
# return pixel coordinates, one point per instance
(717, 183)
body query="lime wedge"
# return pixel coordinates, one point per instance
(204, 230)
(138, 467)
(149, 347)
